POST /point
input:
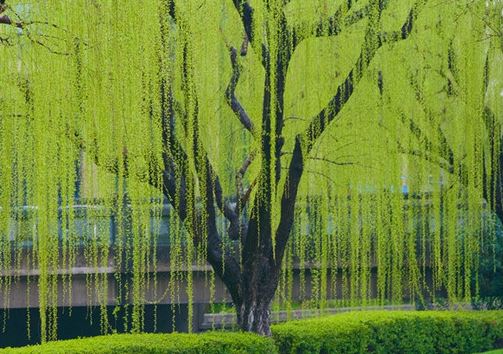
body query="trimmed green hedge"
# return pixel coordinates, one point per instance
(207, 343)
(392, 332)
(352, 332)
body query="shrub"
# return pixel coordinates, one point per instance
(352, 332)
(207, 343)
(392, 332)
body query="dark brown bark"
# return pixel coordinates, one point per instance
(259, 283)
(255, 316)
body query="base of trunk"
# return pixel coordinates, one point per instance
(255, 317)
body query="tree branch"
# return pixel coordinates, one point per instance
(304, 142)
(445, 148)
(24, 25)
(240, 175)
(5, 20)
(222, 261)
(335, 24)
(320, 122)
(176, 149)
(230, 94)
(246, 14)
(246, 195)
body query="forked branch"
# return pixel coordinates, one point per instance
(230, 94)
(343, 18)
(304, 142)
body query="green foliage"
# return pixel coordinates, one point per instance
(208, 343)
(424, 107)
(490, 277)
(392, 332)
(355, 332)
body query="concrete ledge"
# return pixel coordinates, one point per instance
(225, 320)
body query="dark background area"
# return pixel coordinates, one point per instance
(84, 322)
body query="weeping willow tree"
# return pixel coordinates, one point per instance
(355, 142)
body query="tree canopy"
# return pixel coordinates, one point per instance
(347, 137)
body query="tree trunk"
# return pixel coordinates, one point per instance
(255, 316)
(258, 286)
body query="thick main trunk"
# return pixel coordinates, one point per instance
(255, 316)
(258, 286)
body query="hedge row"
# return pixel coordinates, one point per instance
(354, 332)
(393, 332)
(211, 343)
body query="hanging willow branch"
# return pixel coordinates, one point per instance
(260, 215)
(305, 142)
(343, 18)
